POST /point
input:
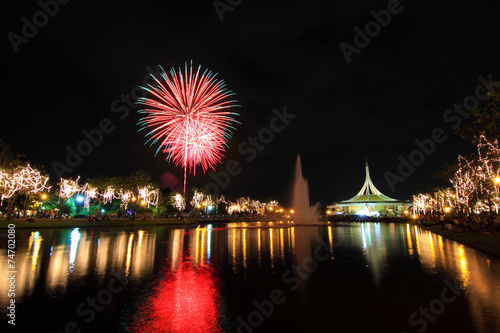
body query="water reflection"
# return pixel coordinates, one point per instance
(179, 272)
(185, 300)
(65, 256)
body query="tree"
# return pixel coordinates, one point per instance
(100, 190)
(9, 159)
(485, 120)
(21, 181)
(136, 190)
(67, 188)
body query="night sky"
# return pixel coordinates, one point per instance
(75, 70)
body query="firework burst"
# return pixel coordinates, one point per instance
(188, 113)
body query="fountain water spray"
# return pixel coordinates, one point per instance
(304, 212)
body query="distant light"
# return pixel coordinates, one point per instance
(102, 210)
(210, 207)
(328, 212)
(363, 212)
(366, 212)
(497, 180)
(292, 211)
(79, 198)
(447, 209)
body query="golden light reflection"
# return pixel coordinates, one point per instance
(245, 249)
(234, 249)
(330, 240)
(102, 257)
(31, 239)
(56, 271)
(197, 247)
(203, 232)
(417, 241)
(408, 238)
(464, 271)
(258, 246)
(176, 239)
(282, 247)
(36, 249)
(271, 246)
(433, 251)
(141, 234)
(129, 254)
(441, 251)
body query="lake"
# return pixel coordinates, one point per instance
(249, 277)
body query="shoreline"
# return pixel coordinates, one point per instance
(486, 243)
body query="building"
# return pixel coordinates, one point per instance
(370, 202)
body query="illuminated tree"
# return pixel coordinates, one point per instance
(67, 189)
(135, 190)
(21, 181)
(179, 202)
(98, 191)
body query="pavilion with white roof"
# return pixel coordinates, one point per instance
(370, 202)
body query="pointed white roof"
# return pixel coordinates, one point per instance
(369, 195)
(369, 192)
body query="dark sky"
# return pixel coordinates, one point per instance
(67, 77)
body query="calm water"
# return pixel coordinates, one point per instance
(250, 278)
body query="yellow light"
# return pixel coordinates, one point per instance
(447, 209)
(497, 180)
(198, 206)
(281, 210)
(44, 196)
(143, 202)
(406, 212)
(271, 208)
(134, 198)
(292, 211)
(328, 212)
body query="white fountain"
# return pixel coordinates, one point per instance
(304, 213)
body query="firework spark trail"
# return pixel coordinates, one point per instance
(188, 113)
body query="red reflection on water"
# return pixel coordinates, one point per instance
(185, 302)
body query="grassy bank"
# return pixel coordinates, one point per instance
(484, 242)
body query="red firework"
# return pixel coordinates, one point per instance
(188, 113)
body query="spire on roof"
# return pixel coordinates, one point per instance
(370, 189)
